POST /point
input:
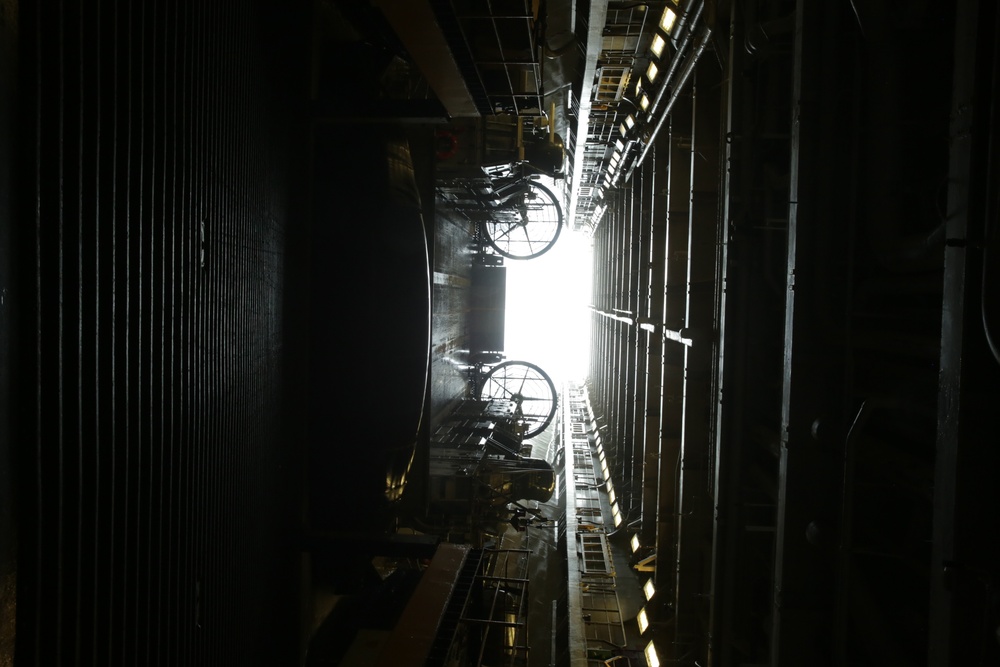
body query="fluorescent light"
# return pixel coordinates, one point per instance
(630, 121)
(657, 46)
(611, 496)
(668, 19)
(648, 589)
(652, 71)
(623, 129)
(643, 620)
(635, 543)
(616, 513)
(638, 85)
(644, 102)
(652, 659)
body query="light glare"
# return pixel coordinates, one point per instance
(657, 46)
(668, 19)
(652, 659)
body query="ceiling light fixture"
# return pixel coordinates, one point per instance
(648, 589)
(652, 659)
(657, 46)
(642, 620)
(667, 20)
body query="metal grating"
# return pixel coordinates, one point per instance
(154, 512)
(496, 45)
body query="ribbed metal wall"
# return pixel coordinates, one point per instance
(155, 485)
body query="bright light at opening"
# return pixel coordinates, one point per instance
(648, 589)
(652, 659)
(643, 620)
(657, 46)
(635, 543)
(667, 21)
(644, 102)
(547, 319)
(652, 71)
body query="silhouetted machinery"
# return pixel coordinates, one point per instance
(478, 478)
(489, 168)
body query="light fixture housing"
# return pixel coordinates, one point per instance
(667, 20)
(657, 46)
(648, 589)
(652, 658)
(642, 620)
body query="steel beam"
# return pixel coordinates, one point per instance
(695, 492)
(815, 353)
(654, 348)
(964, 549)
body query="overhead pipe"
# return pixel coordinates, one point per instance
(675, 92)
(682, 23)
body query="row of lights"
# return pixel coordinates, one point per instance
(667, 22)
(616, 513)
(648, 589)
(666, 25)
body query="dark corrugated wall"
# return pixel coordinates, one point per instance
(156, 489)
